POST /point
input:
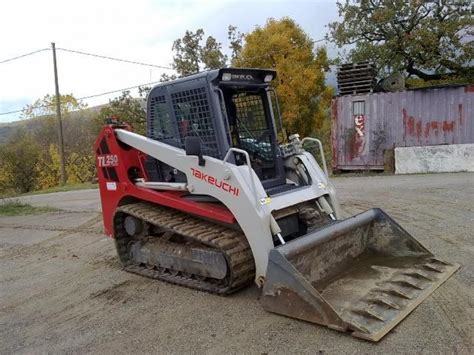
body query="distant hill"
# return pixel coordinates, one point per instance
(8, 129)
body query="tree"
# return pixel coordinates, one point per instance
(81, 167)
(42, 114)
(47, 106)
(128, 109)
(19, 160)
(166, 77)
(49, 168)
(235, 41)
(211, 54)
(192, 55)
(78, 139)
(303, 96)
(428, 39)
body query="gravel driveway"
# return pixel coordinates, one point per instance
(62, 289)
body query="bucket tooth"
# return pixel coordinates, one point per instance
(432, 267)
(359, 326)
(369, 312)
(386, 302)
(409, 283)
(363, 274)
(420, 275)
(398, 292)
(436, 260)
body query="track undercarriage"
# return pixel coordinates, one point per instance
(172, 246)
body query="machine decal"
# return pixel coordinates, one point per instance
(111, 186)
(215, 182)
(322, 185)
(242, 77)
(107, 160)
(265, 200)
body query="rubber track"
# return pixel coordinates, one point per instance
(232, 243)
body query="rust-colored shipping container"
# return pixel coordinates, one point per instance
(364, 126)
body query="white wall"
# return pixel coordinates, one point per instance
(434, 159)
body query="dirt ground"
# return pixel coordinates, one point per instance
(62, 289)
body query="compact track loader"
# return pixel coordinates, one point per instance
(211, 200)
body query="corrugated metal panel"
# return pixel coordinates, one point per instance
(363, 126)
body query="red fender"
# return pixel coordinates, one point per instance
(113, 161)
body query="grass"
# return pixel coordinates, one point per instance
(17, 208)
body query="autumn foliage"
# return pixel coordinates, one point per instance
(30, 160)
(302, 94)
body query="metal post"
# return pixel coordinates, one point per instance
(58, 115)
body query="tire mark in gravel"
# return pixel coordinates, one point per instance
(111, 293)
(79, 313)
(118, 293)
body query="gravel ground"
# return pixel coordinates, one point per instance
(62, 289)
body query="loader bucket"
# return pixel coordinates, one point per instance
(362, 275)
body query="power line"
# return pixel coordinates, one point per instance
(321, 40)
(88, 54)
(120, 59)
(119, 90)
(126, 61)
(24, 55)
(17, 111)
(115, 59)
(86, 97)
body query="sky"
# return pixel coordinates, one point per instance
(139, 30)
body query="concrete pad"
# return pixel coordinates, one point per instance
(77, 201)
(22, 236)
(434, 159)
(69, 294)
(51, 221)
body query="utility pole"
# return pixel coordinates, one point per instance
(58, 115)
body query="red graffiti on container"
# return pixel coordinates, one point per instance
(414, 127)
(358, 143)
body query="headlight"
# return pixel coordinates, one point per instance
(268, 78)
